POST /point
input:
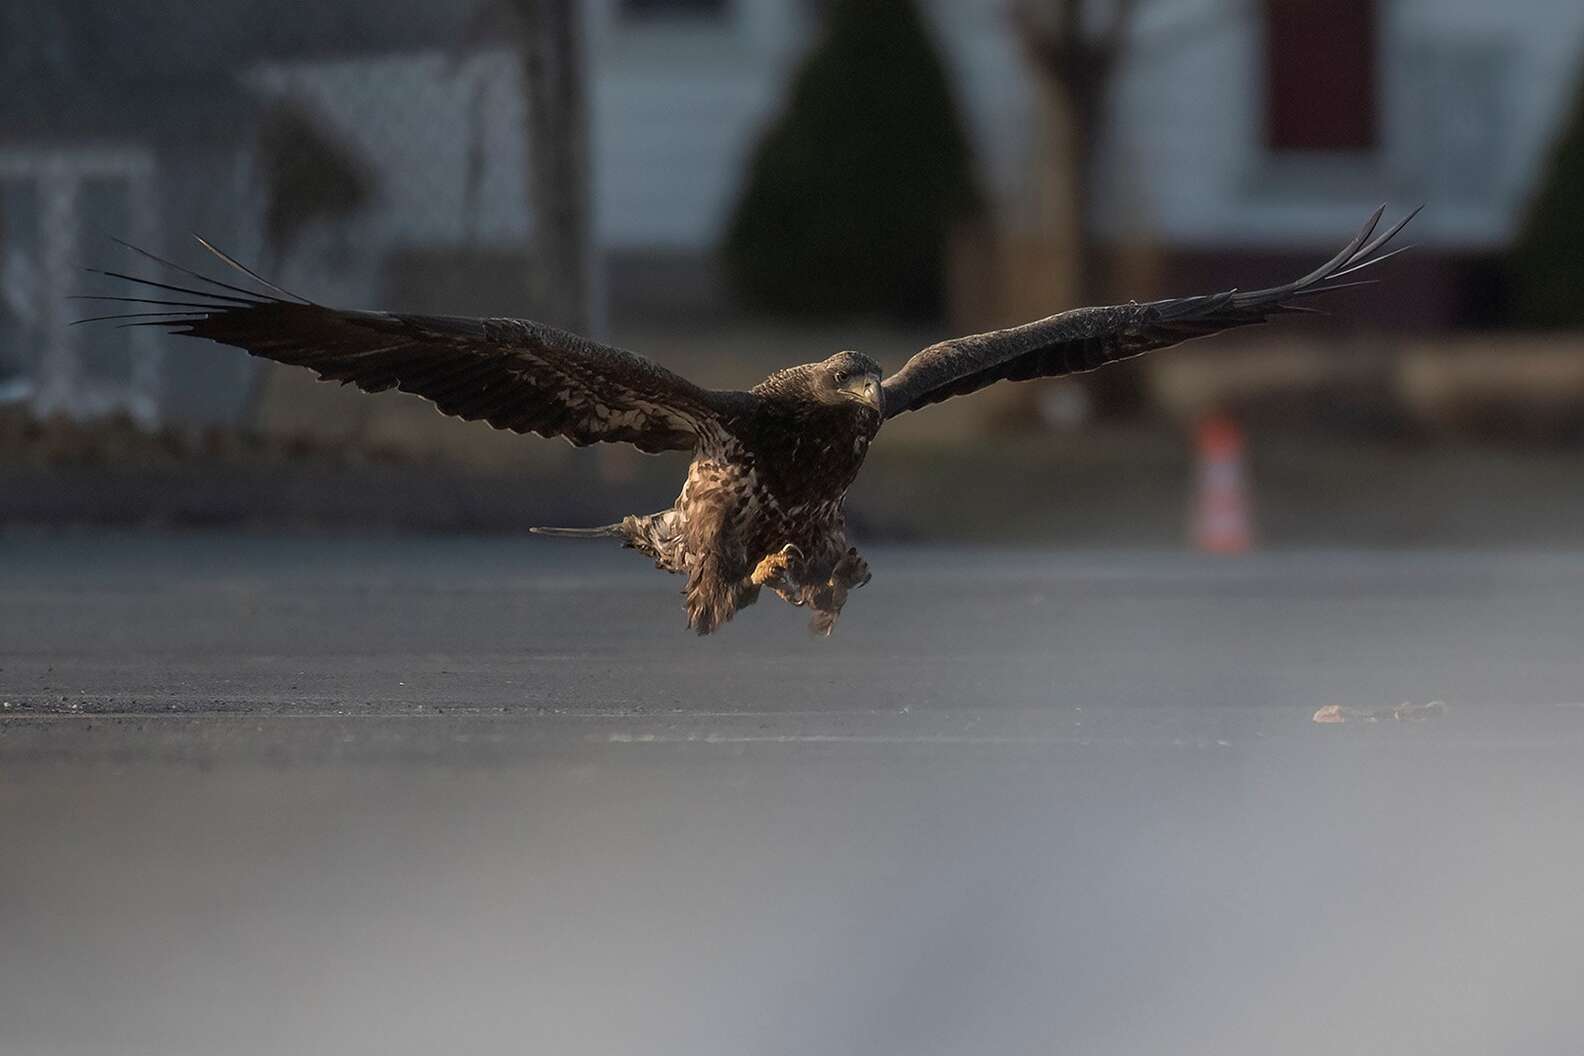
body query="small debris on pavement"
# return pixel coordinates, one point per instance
(1407, 711)
(1410, 712)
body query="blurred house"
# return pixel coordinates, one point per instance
(1238, 139)
(1243, 138)
(374, 152)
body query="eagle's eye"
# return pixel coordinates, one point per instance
(841, 377)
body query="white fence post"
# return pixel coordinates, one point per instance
(59, 366)
(61, 383)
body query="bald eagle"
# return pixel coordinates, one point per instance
(762, 505)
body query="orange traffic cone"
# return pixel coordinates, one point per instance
(1222, 521)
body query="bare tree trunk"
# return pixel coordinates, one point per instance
(1083, 126)
(1078, 65)
(551, 35)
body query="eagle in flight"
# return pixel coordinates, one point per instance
(763, 502)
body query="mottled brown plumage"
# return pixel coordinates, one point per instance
(762, 503)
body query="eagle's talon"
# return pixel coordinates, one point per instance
(775, 570)
(852, 571)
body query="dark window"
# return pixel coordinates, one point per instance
(1320, 75)
(673, 8)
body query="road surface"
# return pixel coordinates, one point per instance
(437, 795)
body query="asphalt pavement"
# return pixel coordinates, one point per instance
(391, 795)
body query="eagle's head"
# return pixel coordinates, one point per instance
(849, 376)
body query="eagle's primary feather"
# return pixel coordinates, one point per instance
(1089, 338)
(762, 504)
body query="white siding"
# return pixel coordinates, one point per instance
(671, 150)
(994, 93)
(1472, 93)
(677, 107)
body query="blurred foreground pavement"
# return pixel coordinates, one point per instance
(375, 795)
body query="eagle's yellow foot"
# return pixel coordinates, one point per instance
(775, 571)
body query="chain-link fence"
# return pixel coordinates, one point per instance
(378, 156)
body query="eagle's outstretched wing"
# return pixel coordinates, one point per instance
(1088, 338)
(512, 373)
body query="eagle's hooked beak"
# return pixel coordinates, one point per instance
(867, 390)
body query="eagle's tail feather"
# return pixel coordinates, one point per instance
(654, 536)
(608, 531)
